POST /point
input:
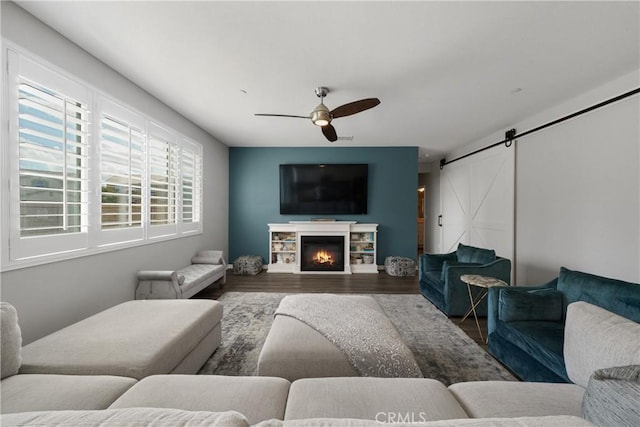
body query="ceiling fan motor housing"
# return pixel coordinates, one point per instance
(321, 116)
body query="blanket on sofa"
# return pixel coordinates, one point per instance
(368, 339)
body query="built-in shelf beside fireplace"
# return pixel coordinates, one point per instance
(314, 247)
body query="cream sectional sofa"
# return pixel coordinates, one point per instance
(364, 401)
(91, 363)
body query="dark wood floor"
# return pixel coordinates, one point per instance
(340, 283)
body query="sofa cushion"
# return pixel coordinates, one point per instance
(42, 392)
(619, 297)
(257, 398)
(519, 304)
(11, 340)
(484, 399)
(367, 397)
(541, 340)
(394, 419)
(596, 338)
(612, 397)
(477, 255)
(133, 339)
(126, 417)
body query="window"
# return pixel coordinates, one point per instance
(79, 186)
(163, 181)
(49, 179)
(122, 173)
(52, 132)
(191, 190)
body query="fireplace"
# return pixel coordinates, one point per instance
(322, 253)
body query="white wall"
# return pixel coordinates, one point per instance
(52, 296)
(578, 188)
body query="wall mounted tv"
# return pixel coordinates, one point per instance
(323, 189)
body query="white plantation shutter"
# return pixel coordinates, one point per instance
(122, 173)
(49, 209)
(83, 182)
(163, 175)
(191, 166)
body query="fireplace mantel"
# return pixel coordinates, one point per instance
(360, 245)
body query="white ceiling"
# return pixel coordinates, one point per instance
(447, 73)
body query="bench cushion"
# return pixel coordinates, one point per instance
(133, 339)
(195, 274)
(41, 392)
(257, 398)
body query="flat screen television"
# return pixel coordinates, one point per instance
(323, 189)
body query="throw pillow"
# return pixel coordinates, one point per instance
(472, 254)
(521, 304)
(11, 342)
(612, 397)
(595, 338)
(205, 260)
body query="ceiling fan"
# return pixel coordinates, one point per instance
(322, 116)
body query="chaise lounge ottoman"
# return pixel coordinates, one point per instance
(293, 349)
(133, 339)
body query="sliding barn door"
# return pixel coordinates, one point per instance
(477, 200)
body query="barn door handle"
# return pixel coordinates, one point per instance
(439, 220)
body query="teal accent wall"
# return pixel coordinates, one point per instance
(254, 195)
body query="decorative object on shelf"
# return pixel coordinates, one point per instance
(368, 259)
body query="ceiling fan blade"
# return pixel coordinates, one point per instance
(281, 115)
(330, 133)
(354, 107)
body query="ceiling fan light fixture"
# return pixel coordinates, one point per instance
(321, 116)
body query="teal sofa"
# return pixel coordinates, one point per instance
(526, 325)
(439, 277)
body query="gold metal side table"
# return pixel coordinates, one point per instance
(485, 283)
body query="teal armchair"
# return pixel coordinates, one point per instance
(439, 277)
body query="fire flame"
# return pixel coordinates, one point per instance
(323, 257)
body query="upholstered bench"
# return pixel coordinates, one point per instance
(399, 266)
(206, 268)
(133, 339)
(295, 350)
(247, 265)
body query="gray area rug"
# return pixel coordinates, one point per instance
(443, 351)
